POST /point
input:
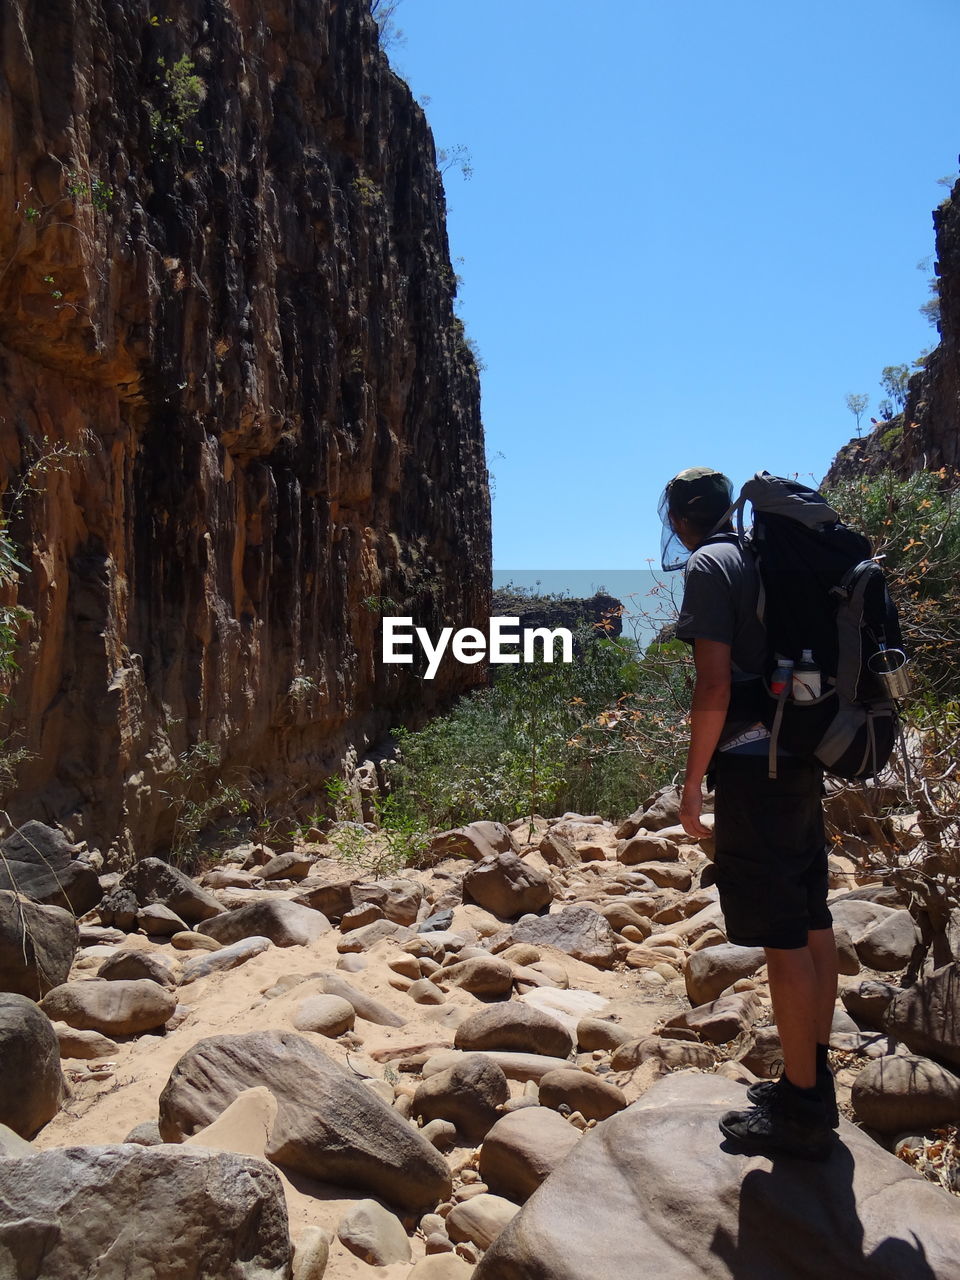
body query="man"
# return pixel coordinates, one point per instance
(770, 860)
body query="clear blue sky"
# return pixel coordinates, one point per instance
(691, 230)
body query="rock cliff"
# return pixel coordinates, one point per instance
(238, 408)
(926, 435)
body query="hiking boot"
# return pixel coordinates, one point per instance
(825, 1086)
(782, 1122)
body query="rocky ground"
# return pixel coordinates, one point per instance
(474, 1069)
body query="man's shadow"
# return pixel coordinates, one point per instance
(805, 1213)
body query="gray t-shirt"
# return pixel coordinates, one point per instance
(720, 596)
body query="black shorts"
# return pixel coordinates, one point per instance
(771, 854)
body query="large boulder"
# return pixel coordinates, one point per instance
(578, 930)
(37, 945)
(926, 1016)
(40, 863)
(522, 1148)
(329, 1124)
(133, 964)
(906, 1093)
(514, 1027)
(33, 1085)
(697, 1210)
(706, 973)
(153, 880)
(506, 886)
(467, 1094)
(475, 841)
(128, 1211)
(286, 924)
(889, 944)
(123, 1007)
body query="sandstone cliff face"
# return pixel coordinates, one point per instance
(229, 299)
(926, 436)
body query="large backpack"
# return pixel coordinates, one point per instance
(821, 590)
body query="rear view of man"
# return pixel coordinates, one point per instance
(771, 860)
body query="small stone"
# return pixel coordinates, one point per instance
(324, 1015)
(425, 991)
(311, 1254)
(480, 1220)
(190, 941)
(441, 1133)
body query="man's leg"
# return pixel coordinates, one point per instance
(823, 949)
(794, 991)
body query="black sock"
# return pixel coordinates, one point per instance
(823, 1062)
(810, 1094)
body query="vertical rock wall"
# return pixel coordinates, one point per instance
(226, 325)
(926, 435)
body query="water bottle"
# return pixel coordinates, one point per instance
(782, 677)
(806, 678)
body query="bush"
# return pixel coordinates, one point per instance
(597, 734)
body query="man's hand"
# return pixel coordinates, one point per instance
(691, 805)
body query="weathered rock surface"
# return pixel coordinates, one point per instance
(37, 945)
(868, 1214)
(202, 966)
(594, 1098)
(83, 1044)
(506, 886)
(41, 864)
(480, 1219)
(272, 410)
(32, 1083)
(286, 924)
(467, 1094)
(523, 1148)
(868, 1001)
(153, 880)
(926, 1016)
(906, 1093)
(128, 1210)
(707, 973)
(514, 1027)
(328, 1125)
(890, 943)
(139, 964)
(374, 1234)
(116, 1008)
(578, 930)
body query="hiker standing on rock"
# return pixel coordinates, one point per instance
(771, 858)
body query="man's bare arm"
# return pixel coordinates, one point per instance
(711, 698)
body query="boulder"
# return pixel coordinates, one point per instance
(663, 810)
(153, 880)
(621, 915)
(288, 866)
(568, 1006)
(475, 841)
(12, 1146)
(118, 1212)
(368, 936)
(667, 1052)
(37, 946)
(722, 1019)
(858, 915)
(480, 1219)
(889, 944)
(593, 1097)
(329, 1125)
(578, 930)
(325, 1015)
(480, 975)
(441, 1266)
(905, 1094)
(646, 847)
(699, 1211)
(365, 1006)
(83, 1044)
(374, 1234)
(157, 920)
(601, 1033)
(707, 973)
(506, 886)
(558, 852)
(116, 1008)
(669, 875)
(222, 958)
(41, 864)
(138, 964)
(926, 1016)
(868, 1001)
(245, 1126)
(467, 1094)
(33, 1084)
(286, 924)
(523, 1148)
(514, 1027)
(311, 1254)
